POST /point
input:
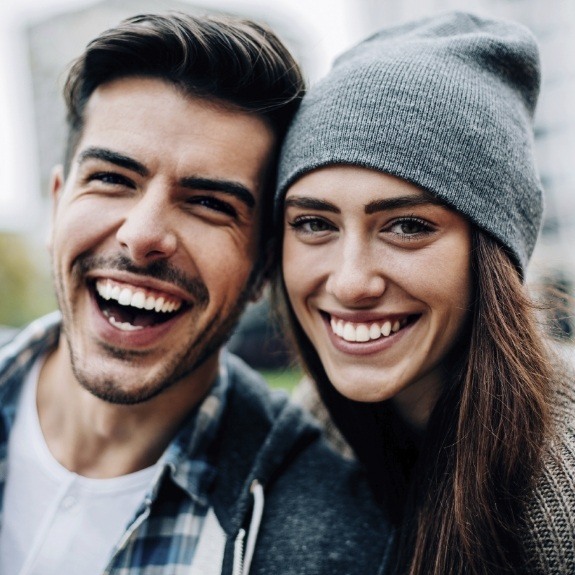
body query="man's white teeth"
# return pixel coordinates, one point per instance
(135, 297)
(126, 297)
(124, 326)
(362, 332)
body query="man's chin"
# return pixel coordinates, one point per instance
(118, 393)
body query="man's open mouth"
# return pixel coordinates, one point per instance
(131, 308)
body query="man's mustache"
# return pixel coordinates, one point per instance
(159, 269)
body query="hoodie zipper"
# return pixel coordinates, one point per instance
(243, 556)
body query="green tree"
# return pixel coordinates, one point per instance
(25, 285)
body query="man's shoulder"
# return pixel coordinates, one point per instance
(325, 488)
(308, 451)
(19, 353)
(6, 334)
(249, 393)
(37, 335)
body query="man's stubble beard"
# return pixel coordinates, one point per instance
(180, 367)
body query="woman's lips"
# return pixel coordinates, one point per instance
(367, 337)
(366, 331)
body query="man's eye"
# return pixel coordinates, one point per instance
(214, 204)
(111, 178)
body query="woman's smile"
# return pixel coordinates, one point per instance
(363, 332)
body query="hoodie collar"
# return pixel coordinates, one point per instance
(259, 431)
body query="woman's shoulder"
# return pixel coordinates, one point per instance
(550, 511)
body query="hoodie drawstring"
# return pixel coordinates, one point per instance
(242, 562)
(238, 553)
(258, 493)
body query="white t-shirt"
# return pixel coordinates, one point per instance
(54, 521)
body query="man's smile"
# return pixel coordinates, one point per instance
(151, 288)
(131, 308)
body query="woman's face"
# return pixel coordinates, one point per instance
(378, 275)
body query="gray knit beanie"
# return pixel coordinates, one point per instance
(446, 103)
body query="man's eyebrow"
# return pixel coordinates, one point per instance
(311, 204)
(225, 186)
(401, 202)
(112, 157)
(208, 184)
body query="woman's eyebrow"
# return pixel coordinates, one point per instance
(311, 204)
(401, 202)
(370, 208)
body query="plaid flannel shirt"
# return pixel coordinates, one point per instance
(163, 535)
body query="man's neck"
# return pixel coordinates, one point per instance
(94, 438)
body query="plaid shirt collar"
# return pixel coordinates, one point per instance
(185, 458)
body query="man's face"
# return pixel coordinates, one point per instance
(155, 236)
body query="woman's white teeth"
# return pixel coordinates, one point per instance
(349, 332)
(135, 298)
(374, 331)
(363, 332)
(386, 328)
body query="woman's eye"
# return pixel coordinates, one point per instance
(311, 225)
(410, 227)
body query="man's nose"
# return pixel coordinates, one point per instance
(146, 231)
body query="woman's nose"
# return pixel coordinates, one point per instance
(356, 276)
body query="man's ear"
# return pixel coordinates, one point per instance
(56, 183)
(56, 190)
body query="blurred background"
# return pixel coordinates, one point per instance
(38, 39)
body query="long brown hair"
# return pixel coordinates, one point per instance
(457, 494)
